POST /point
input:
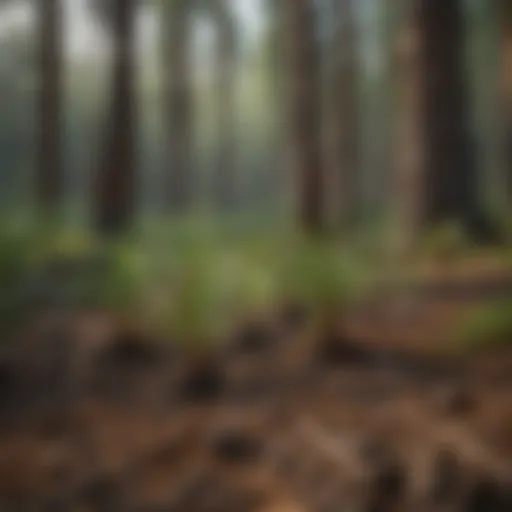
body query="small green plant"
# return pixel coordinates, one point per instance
(203, 301)
(257, 278)
(446, 242)
(16, 246)
(322, 276)
(487, 327)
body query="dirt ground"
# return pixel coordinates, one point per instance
(96, 418)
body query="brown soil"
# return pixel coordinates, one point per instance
(98, 419)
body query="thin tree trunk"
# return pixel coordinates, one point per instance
(116, 181)
(178, 106)
(224, 181)
(302, 92)
(407, 68)
(343, 103)
(506, 88)
(49, 165)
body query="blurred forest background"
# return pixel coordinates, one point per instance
(221, 129)
(200, 114)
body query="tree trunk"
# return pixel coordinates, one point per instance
(343, 104)
(178, 106)
(407, 68)
(451, 181)
(438, 153)
(224, 180)
(49, 165)
(506, 88)
(302, 92)
(116, 182)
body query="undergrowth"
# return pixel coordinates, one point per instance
(488, 326)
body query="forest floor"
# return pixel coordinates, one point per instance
(96, 418)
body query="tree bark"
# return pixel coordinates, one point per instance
(451, 184)
(49, 164)
(224, 180)
(505, 15)
(302, 92)
(435, 142)
(343, 103)
(178, 106)
(116, 181)
(407, 68)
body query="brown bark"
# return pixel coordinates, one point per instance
(343, 104)
(116, 181)
(49, 163)
(178, 105)
(435, 138)
(506, 93)
(302, 92)
(406, 66)
(224, 180)
(451, 185)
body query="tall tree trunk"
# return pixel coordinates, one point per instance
(343, 103)
(451, 184)
(49, 165)
(116, 181)
(178, 105)
(224, 181)
(506, 88)
(302, 93)
(407, 67)
(437, 144)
